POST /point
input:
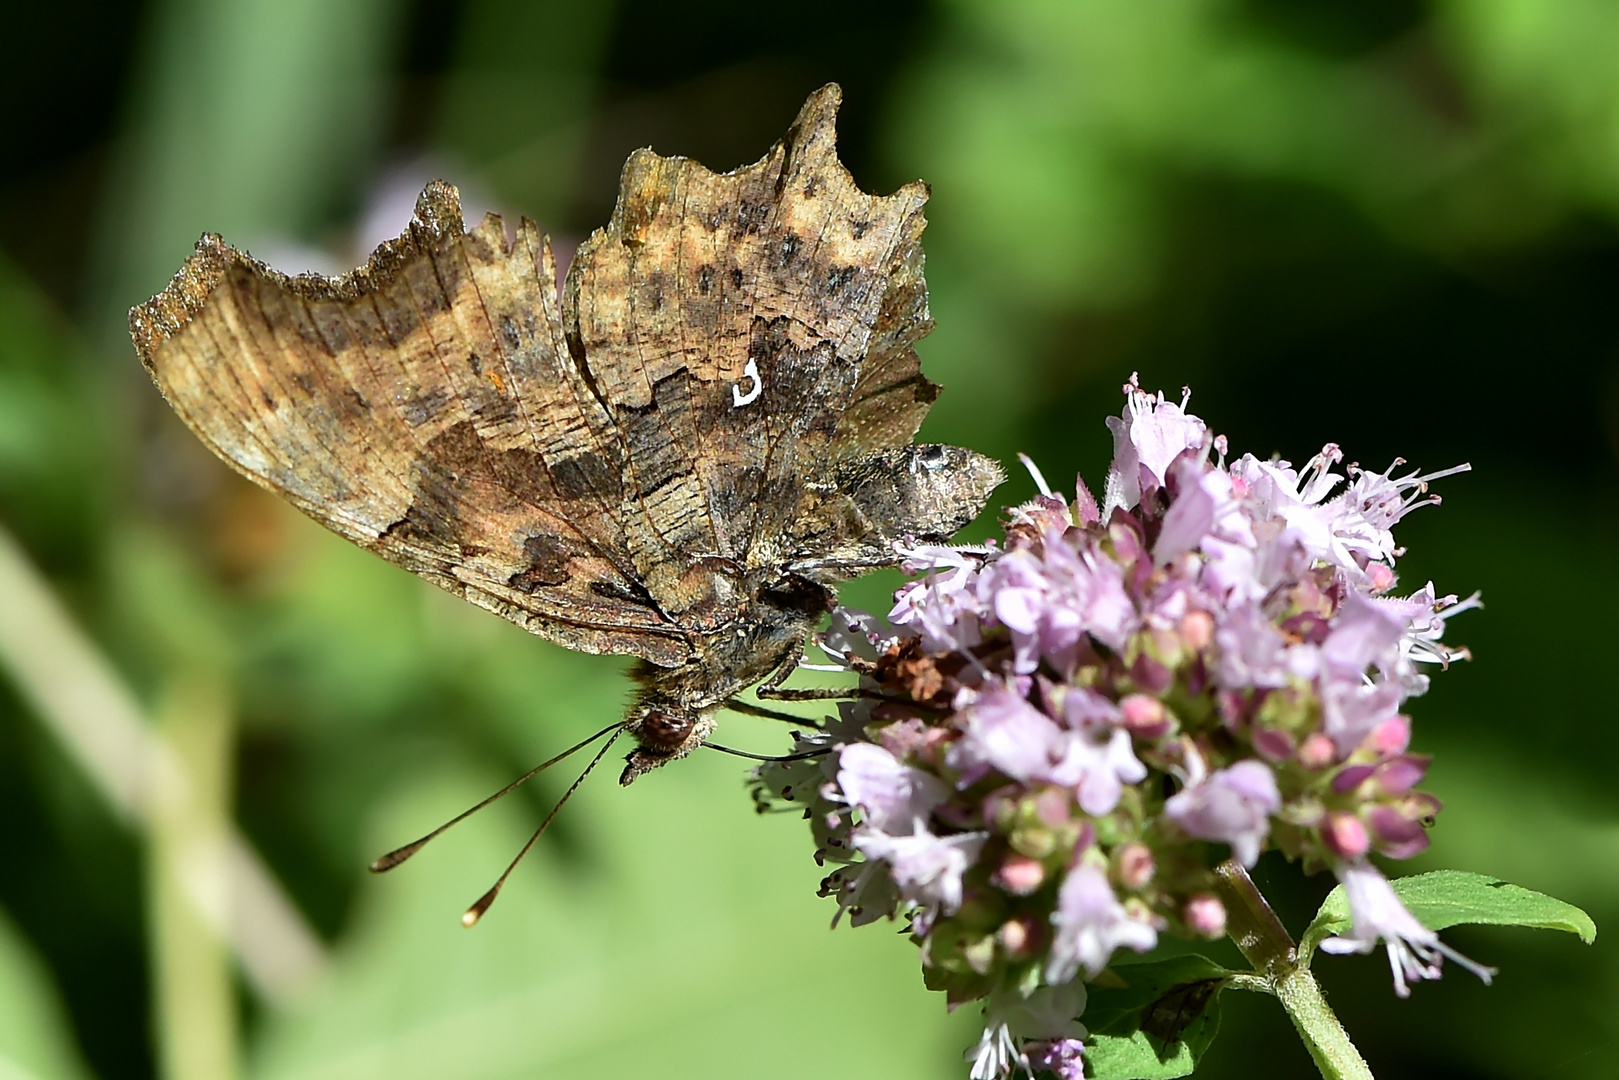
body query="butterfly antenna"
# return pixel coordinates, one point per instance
(399, 855)
(475, 912)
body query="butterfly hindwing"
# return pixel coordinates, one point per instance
(748, 329)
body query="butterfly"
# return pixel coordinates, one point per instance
(676, 458)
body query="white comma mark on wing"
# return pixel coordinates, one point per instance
(738, 398)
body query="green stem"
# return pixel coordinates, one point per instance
(190, 887)
(1265, 943)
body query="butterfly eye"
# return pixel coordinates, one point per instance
(931, 458)
(662, 730)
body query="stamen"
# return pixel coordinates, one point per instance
(1035, 474)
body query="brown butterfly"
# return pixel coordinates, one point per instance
(676, 459)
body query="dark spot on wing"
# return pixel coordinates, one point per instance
(458, 448)
(547, 559)
(789, 250)
(509, 333)
(581, 475)
(632, 593)
(751, 217)
(839, 276)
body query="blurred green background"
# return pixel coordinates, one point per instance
(1388, 223)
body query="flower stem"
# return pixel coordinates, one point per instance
(1264, 942)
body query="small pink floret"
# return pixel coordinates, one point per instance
(1145, 716)
(1197, 630)
(1136, 866)
(1020, 875)
(1317, 751)
(1391, 737)
(1345, 835)
(1205, 916)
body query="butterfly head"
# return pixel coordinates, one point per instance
(667, 730)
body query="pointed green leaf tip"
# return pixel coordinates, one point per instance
(1158, 1024)
(1446, 898)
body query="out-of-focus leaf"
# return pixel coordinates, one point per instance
(35, 1043)
(1545, 74)
(1444, 898)
(255, 119)
(517, 100)
(52, 430)
(684, 933)
(1055, 135)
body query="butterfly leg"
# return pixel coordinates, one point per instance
(772, 690)
(813, 693)
(747, 708)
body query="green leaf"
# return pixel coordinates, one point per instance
(36, 1042)
(1159, 1024)
(1447, 898)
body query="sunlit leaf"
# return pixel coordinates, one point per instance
(1445, 898)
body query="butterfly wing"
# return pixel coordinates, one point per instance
(425, 407)
(747, 330)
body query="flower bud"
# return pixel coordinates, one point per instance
(1204, 915)
(1274, 746)
(1398, 836)
(1390, 737)
(1317, 751)
(1136, 865)
(1034, 841)
(1019, 875)
(1017, 936)
(1197, 630)
(1151, 674)
(1051, 806)
(1345, 836)
(1145, 717)
(1399, 775)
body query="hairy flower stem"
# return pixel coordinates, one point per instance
(1265, 944)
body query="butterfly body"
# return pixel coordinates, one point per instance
(676, 458)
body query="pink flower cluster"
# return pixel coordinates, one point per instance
(1061, 734)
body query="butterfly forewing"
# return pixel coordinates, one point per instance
(424, 407)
